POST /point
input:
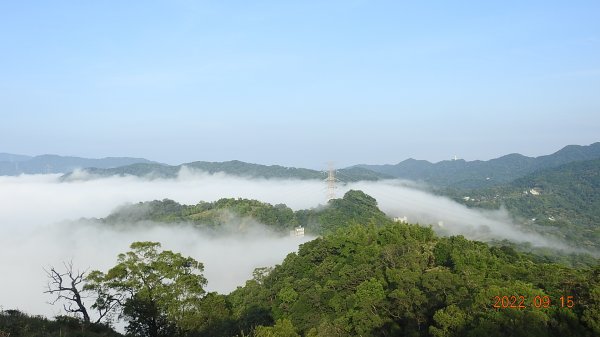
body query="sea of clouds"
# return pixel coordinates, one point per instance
(45, 221)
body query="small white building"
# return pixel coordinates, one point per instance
(401, 219)
(297, 232)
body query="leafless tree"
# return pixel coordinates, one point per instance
(67, 286)
(72, 286)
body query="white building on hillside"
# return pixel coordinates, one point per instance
(297, 232)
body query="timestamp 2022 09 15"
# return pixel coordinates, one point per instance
(537, 302)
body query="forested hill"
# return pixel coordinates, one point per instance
(403, 280)
(11, 164)
(238, 215)
(564, 199)
(477, 174)
(233, 167)
(14, 323)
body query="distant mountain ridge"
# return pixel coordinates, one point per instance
(233, 167)
(450, 173)
(477, 173)
(13, 164)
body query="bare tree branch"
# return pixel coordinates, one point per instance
(68, 286)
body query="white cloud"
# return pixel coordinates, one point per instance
(40, 226)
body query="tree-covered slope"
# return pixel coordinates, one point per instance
(14, 323)
(234, 167)
(355, 207)
(402, 280)
(223, 215)
(230, 214)
(478, 174)
(564, 199)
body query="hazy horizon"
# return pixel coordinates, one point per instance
(323, 166)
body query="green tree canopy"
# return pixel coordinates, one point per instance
(164, 289)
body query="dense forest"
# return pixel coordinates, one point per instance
(402, 280)
(355, 207)
(564, 200)
(16, 323)
(364, 276)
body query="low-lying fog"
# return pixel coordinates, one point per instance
(40, 225)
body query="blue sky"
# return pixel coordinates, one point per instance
(298, 83)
